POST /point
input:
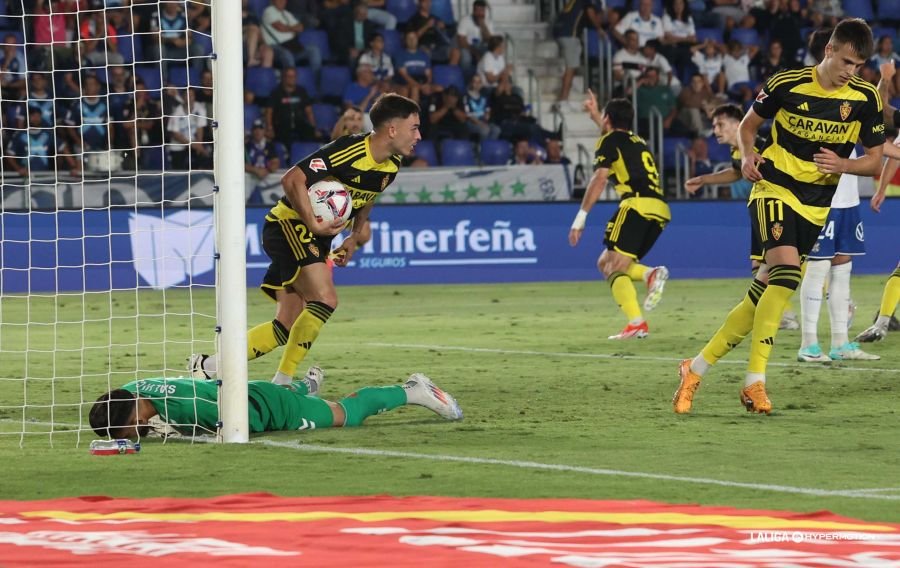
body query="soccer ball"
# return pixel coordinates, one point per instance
(330, 201)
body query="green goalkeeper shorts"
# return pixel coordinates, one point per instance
(273, 407)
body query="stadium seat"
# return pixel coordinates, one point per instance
(425, 150)
(858, 9)
(457, 153)
(300, 150)
(258, 7)
(670, 147)
(204, 41)
(495, 152)
(307, 79)
(443, 10)
(883, 31)
(697, 6)
(332, 81)
(704, 34)
(251, 113)
(326, 115)
(446, 75)
(260, 80)
(125, 47)
(888, 10)
(181, 76)
(392, 42)
(401, 9)
(593, 44)
(282, 154)
(318, 38)
(152, 77)
(620, 4)
(718, 152)
(747, 36)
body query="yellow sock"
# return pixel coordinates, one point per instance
(303, 333)
(625, 295)
(637, 271)
(265, 337)
(891, 295)
(736, 326)
(783, 280)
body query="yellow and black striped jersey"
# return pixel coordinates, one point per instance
(633, 172)
(758, 145)
(348, 160)
(806, 117)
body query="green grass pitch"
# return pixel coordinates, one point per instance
(534, 372)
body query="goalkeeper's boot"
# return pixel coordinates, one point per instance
(314, 379)
(196, 367)
(633, 331)
(422, 392)
(690, 382)
(755, 399)
(656, 282)
(872, 333)
(851, 351)
(812, 354)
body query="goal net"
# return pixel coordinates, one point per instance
(109, 231)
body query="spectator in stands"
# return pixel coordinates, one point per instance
(628, 63)
(280, 31)
(91, 114)
(772, 61)
(12, 67)
(708, 59)
(883, 54)
(478, 111)
(381, 63)
(189, 146)
(679, 33)
(652, 94)
(351, 122)
(508, 112)
(139, 128)
(120, 87)
(379, 16)
(199, 16)
(691, 108)
(825, 13)
(699, 162)
(362, 92)
(736, 69)
(352, 37)
(205, 91)
(170, 23)
(654, 58)
(786, 22)
(309, 12)
(555, 152)
(260, 159)
(493, 65)
(414, 69)
(568, 30)
(50, 37)
(32, 150)
(472, 35)
(647, 24)
(524, 154)
(333, 13)
(40, 97)
(289, 117)
(256, 52)
(434, 36)
(446, 116)
(99, 45)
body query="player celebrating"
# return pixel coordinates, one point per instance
(640, 218)
(818, 114)
(189, 405)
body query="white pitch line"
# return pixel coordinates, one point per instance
(606, 356)
(852, 494)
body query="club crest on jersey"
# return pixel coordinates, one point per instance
(317, 164)
(845, 110)
(777, 229)
(385, 182)
(313, 249)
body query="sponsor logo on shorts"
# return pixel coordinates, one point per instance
(777, 229)
(860, 234)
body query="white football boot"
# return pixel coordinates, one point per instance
(422, 392)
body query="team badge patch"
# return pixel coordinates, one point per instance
(777, 229)
(317, 164)
(313, 249)
(845, 110)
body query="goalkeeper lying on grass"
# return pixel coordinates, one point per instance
(191, 405)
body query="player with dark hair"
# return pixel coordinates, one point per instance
(190, 406)
(641, 217)
(299, 278)
(818, 114)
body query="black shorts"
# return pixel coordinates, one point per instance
(773, 223)
(630, 233)
(291, 246)
(756, 247)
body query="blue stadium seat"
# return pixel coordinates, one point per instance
(446, 75)
(858, 9)
(718, 152)
(593, 43)
(883, 31)
(300, 150)
(152, 77)
(670, 146)
(282, 153)
(260, 80)
(714, 34)
(326, 115)
(747, 36)
(495, 152)
(443, 10)
(332, 81)
(204, 41)
(392, 42)
(425, 150)
(307, 79)
(258, 7)
(318, 38)
(620, 4)
(457, 153)
(125, 47)
(889, 10)
(697, 6)
(402, 9)
(182, 76)
(251, 113)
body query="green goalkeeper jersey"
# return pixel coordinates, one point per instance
(192, 404)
